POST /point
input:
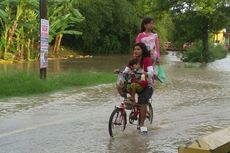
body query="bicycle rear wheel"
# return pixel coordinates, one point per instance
(117, 122)
(150, 113)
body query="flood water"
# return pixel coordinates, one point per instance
(97, 63)
(194, 101)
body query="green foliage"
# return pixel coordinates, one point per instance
(19, 24)
(194, 54)
(111, 26)
(23, 83)
(217, 52)
(9, 56)
(63, 16)
(18, 18)
(194, 20)
(164, 27)
(108, 27)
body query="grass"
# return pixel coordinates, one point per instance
(24, 83)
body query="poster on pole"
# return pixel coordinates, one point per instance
(44, 43)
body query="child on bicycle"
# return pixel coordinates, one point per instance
(137, 81)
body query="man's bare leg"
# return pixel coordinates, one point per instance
(133, 92)
(143, 111)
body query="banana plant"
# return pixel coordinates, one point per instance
(20, 43)
(11, 21)
(19, 25)
(14, 25)
(5, 21)
(63, 16)
(30, 25)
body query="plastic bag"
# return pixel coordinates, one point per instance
(160, 73)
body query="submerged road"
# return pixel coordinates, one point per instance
(194, 102)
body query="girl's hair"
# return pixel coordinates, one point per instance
(145, 21)
(145, 52)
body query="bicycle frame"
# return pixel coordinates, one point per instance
(135, 109)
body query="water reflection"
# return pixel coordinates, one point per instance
(134, 143)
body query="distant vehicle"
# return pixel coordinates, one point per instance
(169, 46)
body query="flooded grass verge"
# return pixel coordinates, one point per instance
(24, 83)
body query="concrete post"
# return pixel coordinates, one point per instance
(217, 142)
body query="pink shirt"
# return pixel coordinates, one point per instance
(152, 43)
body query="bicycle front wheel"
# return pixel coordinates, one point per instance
(117, 122)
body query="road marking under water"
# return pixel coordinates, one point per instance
(35, 127)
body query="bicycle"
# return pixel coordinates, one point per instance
(118, 117)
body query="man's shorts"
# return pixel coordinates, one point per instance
(145, 95)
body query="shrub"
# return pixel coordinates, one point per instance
(217, 52)
(194, 53)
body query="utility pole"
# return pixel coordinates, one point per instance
(44, 35)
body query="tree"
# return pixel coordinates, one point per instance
(195, 19)
(110, 26)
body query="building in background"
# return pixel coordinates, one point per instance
(223, 38)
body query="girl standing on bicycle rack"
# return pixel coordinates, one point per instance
(150, 38)
(141, 53)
